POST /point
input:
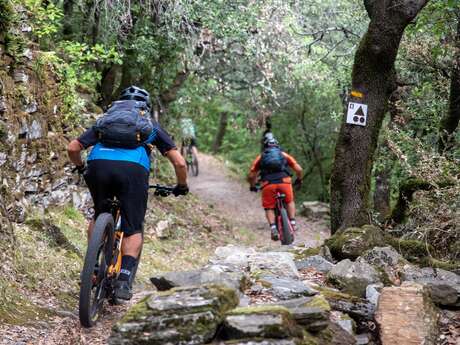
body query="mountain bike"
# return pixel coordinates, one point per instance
(102, 263)
(283, 223)
(285, 229)
(190, 157)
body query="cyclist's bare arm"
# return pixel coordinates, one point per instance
(180, 167)
(294, 165)
(254, 171)
(74, 149)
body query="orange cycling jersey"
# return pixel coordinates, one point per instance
(280, 177)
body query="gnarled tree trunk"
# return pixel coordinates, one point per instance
(449, 122)
(373, 76)
(219, 138)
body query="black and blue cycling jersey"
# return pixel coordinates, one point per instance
(140, 155)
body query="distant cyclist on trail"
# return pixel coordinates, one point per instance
(272, 166)
(119, 165)
(188, 135)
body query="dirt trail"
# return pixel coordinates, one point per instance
(216, 186)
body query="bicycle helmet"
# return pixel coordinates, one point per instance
(269, 140)
(135, 93)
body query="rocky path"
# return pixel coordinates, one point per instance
(216, 185)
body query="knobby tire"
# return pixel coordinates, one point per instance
(194, 164)
(101, 239)
(287, 236)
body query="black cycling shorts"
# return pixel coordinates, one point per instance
(128, 182)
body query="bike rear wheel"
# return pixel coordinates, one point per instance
(287, 233)
(93, 289)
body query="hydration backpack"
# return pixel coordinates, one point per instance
(127, 124)
(273, 161)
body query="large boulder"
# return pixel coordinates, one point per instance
(279, 264)
(259, 322)
(179, 316)
(443, 285)
(285, 288)
(352, 242)
(353, 277)
(386, 260)
(406, 316)
(315, 209)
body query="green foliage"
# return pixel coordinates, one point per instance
(6, 13)
(82, 58)
(46, 19)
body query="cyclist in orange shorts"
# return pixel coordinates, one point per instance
(272, 165)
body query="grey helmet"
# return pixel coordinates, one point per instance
(135, 93)
(269, 140)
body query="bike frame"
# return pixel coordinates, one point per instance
(115, 266)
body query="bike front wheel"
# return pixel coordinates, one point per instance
(194, 165)
(287, 233)
(93, 288)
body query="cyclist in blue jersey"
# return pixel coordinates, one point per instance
(124, 173)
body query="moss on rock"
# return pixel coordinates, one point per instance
(318, 301)
(303, 253)
(260, 309)
(352, 242)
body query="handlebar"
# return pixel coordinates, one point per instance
(162, 190)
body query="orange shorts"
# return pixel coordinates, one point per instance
(269, 194)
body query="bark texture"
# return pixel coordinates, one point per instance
(449, 122)
(219, 138)
(68, 13)
(374, 76)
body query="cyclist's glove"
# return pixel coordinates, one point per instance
(180, 190)
(253, 189)
(81, 169)
(297, 184)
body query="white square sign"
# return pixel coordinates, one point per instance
(357, 114)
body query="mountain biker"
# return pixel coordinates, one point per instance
(123, 172)
(188, 135)
(272, 166)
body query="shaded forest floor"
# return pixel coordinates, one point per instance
(220, 211)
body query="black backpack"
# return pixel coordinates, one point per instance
(273, 161)
(127, 124)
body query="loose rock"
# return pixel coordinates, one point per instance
(444, 286)
(259, 322)
(353, 277)
(406, 316)
(318, 262)
(279, 264)
(314, 209)
(286, 288)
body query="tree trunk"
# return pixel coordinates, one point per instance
(374, 77)
(68, 13)
(220, 132)
(382, 194)
(109, 76)
(169, 95)
(449, 122)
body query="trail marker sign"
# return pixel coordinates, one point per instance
(357, 114)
